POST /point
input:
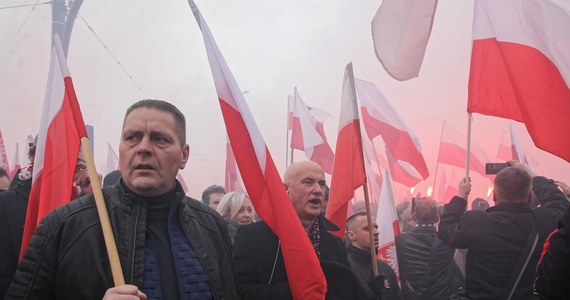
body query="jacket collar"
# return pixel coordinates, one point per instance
(326, 224)
(359, 254)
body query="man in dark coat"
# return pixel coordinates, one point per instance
(360, 259)
(420, 252)
(169, 246)
(497, 236)
(258, 257)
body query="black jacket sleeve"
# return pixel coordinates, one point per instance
(554, 268)
(36, 272)
(455, 225)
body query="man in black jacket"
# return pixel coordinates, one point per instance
(258, 257)
(170, 246)
(497, 236)
(360, 259)
(427, 268)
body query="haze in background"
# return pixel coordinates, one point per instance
(270, 46)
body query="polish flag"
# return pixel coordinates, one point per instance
(261, 179)
(388, 225)
(61, 128)
(451, 151)
(4, 156)
(447, 187)
(402, 172)
(15, 161)
(232, 177)
(380, 118)
(400, 32)
(520, 68)
(112, 163)
(308, 135)
(348, 171)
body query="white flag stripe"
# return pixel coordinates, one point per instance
(527, 13)
(227, 88)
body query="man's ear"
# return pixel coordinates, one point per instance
(351, 236)
(286, 188)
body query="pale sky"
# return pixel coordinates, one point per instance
(270, 46)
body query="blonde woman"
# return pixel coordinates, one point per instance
(236, 209)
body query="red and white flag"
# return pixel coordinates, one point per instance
(4, 156)
(452, 152)
(308, 134)
(400, 32)
(520, 68)
(388, 225)
(348, 171)
(112, 163)
(380, 118)
(232, 183)
(261, 179)
(447, 186)
(61, 129)
(402, 171)
(15, 161)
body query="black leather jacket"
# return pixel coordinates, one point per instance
(67, 259)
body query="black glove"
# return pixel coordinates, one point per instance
(376, 284)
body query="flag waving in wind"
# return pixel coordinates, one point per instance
(380, 118)
(61, 128)
(261, 179)
(401, 30)
(348, 170)
(308, 135)
(520, 68)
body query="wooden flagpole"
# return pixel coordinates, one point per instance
(108, 236)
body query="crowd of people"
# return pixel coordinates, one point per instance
(171, 246)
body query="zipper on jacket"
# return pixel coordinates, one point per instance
(133, 248)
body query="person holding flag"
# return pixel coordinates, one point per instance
(258, 257)
(170, 246)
